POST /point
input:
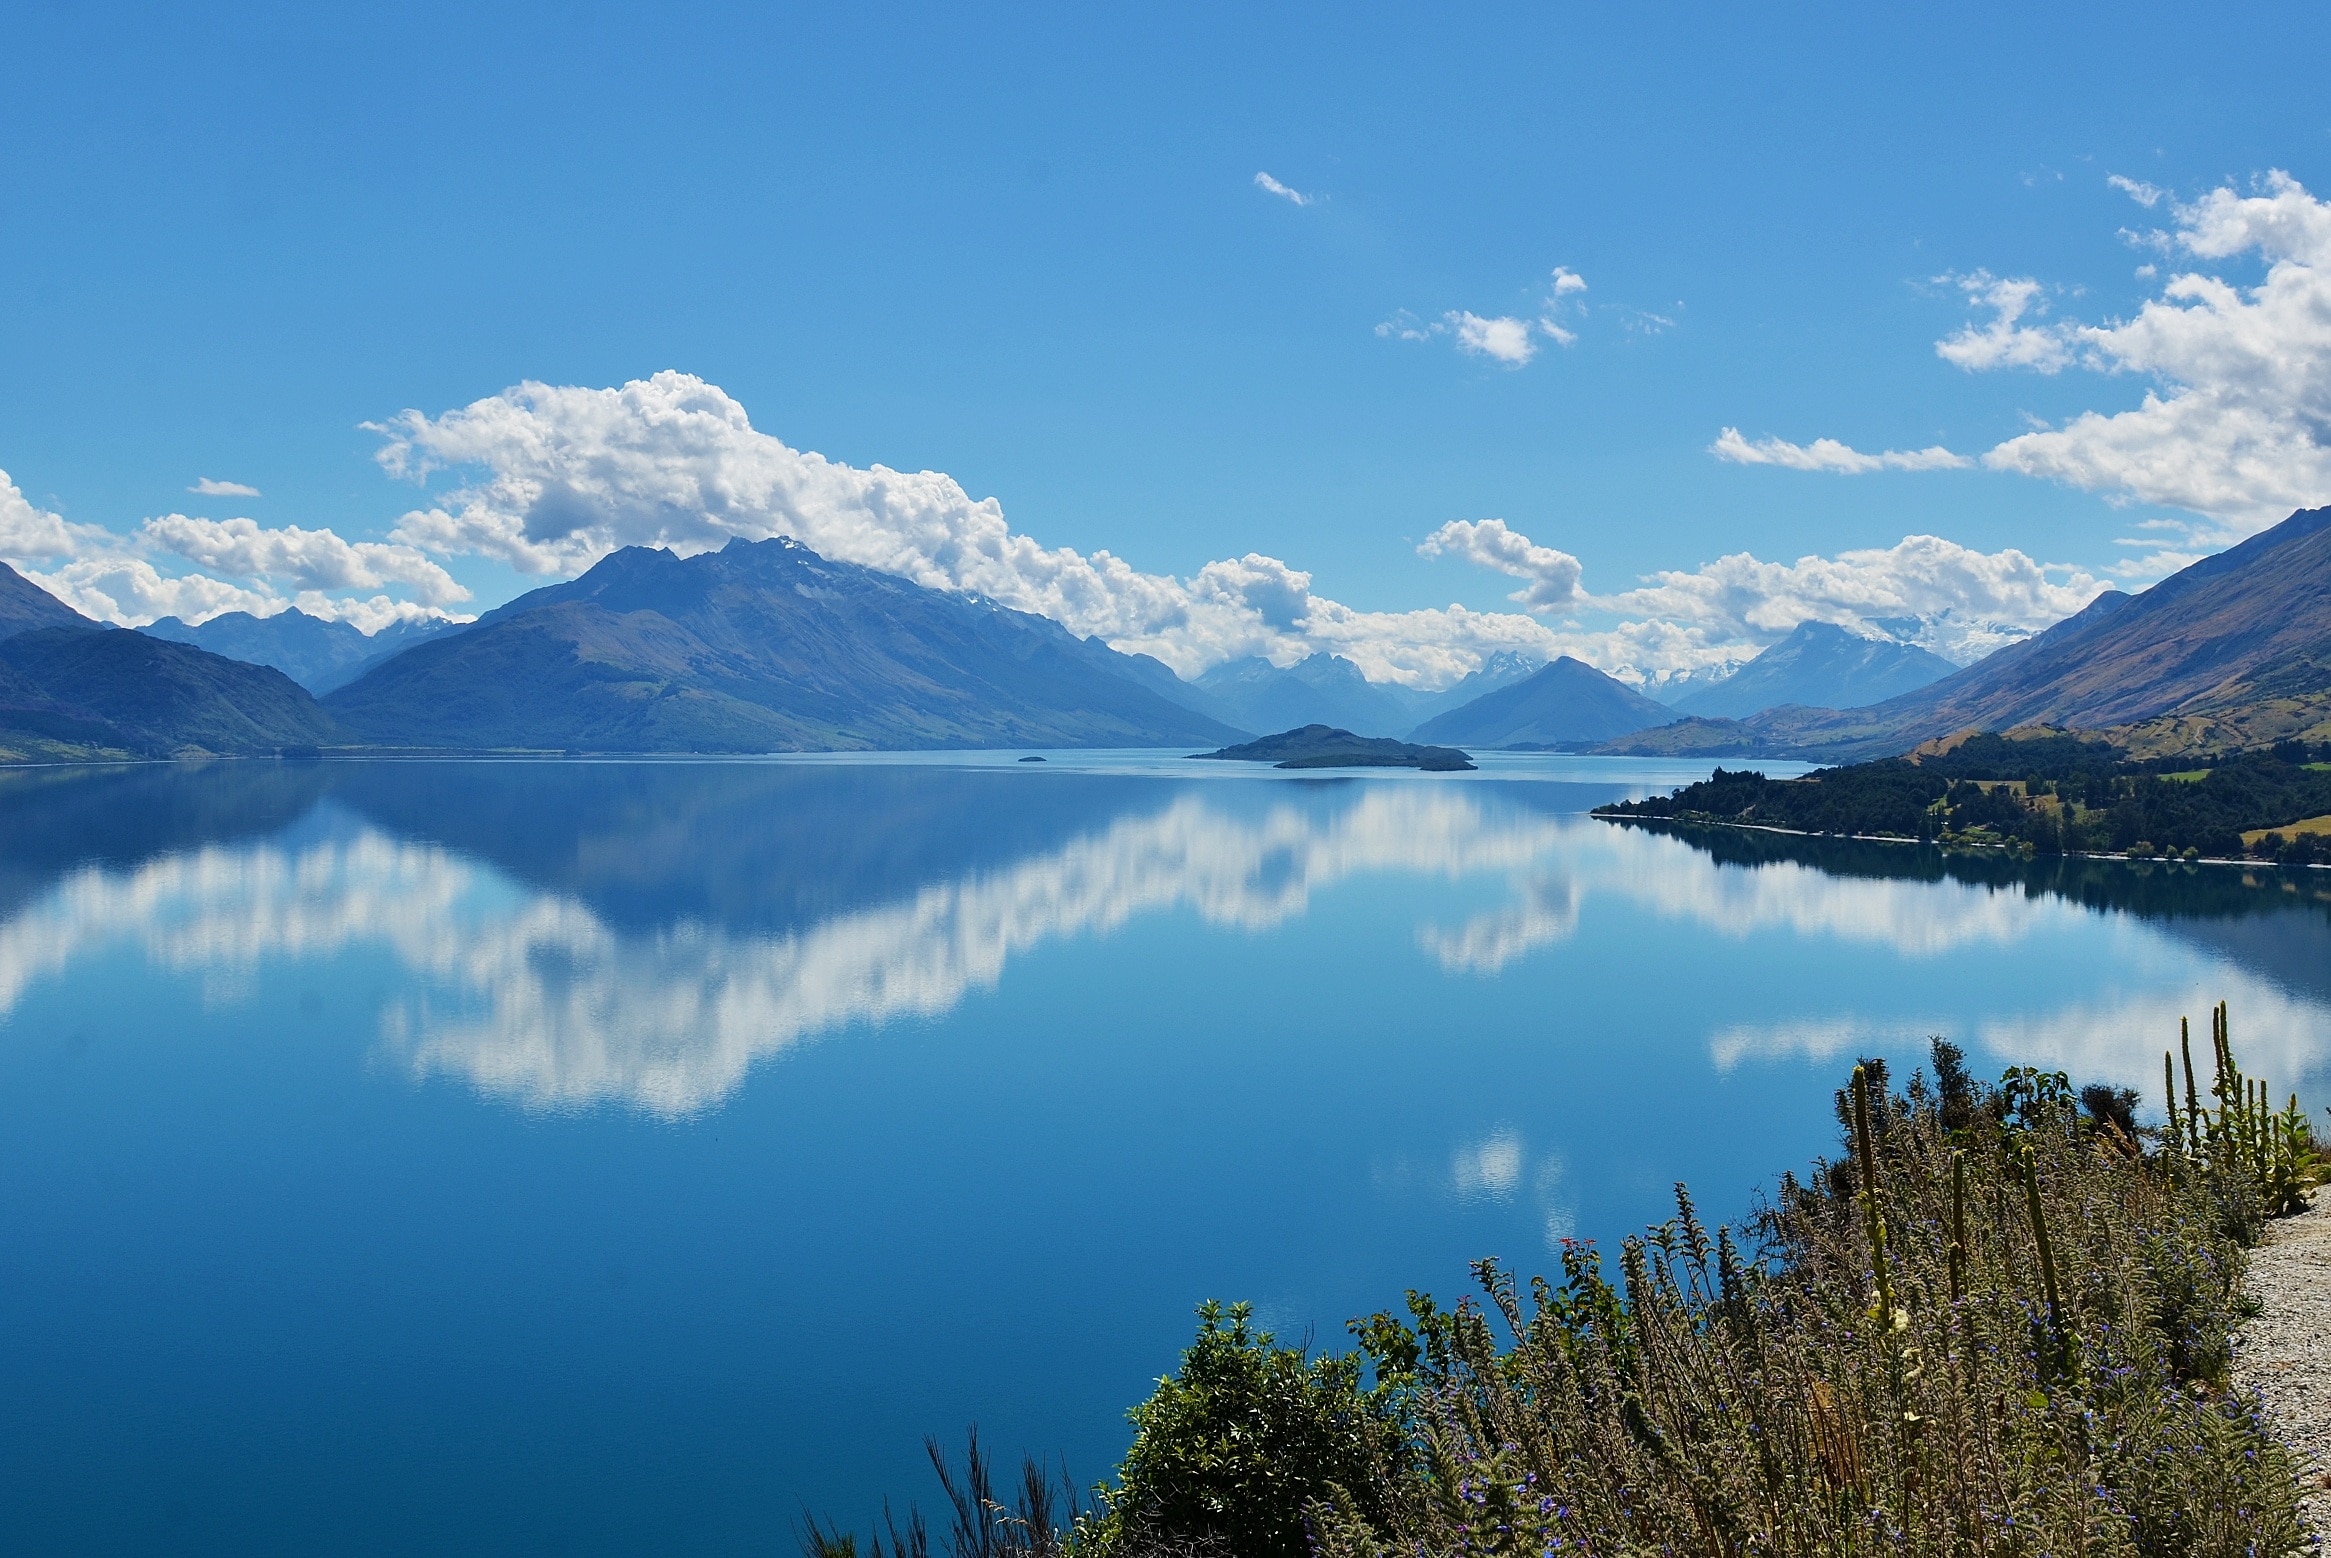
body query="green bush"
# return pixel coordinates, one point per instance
(1236, 1442)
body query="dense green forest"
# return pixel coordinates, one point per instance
(1999, 1320)
(2055, 794)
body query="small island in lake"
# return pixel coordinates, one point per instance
(1324, 746)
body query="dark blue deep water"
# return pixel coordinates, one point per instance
(622, 1157)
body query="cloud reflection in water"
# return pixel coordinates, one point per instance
(536, 994)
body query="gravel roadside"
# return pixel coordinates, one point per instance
(2285, 1352)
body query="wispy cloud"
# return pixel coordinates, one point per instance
(1827, 454)
(1271, 186)
(1509, 339)
(209, 487)
(2231, 425)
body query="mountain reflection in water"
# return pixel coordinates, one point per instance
(643, 934)
(622, 1157)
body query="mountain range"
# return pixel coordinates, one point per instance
(761, 646)
(315, 652)
(1820, 665)
(2233, 649)
(1326, 689)
(767, 646)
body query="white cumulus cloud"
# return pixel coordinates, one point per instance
(1509, 339)
(1553, 575)
(559, 476)
(2232, 426)
(309, 559)
(208, 487)
(2006, 342)
(1503, 338)
(116, 578)
(2231, 423)
(1949, 598)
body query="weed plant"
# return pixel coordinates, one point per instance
(1999, 1322)
(2006, 1334)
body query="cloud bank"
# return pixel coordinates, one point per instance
(2231, 425)
(122, 579)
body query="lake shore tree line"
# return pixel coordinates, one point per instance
(2055, 794)
(1998, 1321)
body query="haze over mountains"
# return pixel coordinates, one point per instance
(766, 646)
(1567, 703)
(1821, 665)
(317, 653)
(1330, 690)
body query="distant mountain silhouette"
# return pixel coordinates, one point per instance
(2239, 642)
(1566, 703)
(1502, 669)
(1323, 689)
(317, 653)
(1822, 665)
(761, 646)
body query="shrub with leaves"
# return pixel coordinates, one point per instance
(1233, 1445)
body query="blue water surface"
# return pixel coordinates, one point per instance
(627, 1157)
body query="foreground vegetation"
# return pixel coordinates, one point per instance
(1999, 1322)
(2052, 794)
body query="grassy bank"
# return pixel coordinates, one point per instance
(1999, 1321)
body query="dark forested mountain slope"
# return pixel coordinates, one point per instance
(84, 691)
(762, 646)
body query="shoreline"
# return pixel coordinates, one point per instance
(1893, 838)
(2283, 1353)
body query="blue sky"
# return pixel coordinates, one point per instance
(1028, 249)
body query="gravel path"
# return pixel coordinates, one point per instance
(2285, 1353)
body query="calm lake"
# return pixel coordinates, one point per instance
(622, 1157)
